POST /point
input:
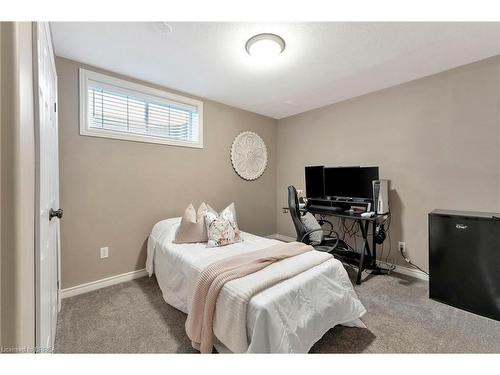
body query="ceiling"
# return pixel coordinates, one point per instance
(323, 63)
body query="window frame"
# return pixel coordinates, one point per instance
(144, 91)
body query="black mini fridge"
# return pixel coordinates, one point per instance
(464, 260)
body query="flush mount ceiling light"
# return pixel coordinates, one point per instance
(265, 45)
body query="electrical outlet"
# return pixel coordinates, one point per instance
(402, 250)
(284, 210)
(104, 252)
(402, 247)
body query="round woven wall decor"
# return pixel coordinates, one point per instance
(249, 155)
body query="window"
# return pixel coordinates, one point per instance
(114, 108)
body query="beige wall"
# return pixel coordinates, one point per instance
(18, 186)
(437, 139)
(113, 191)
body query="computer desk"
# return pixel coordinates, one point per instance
(352, 257)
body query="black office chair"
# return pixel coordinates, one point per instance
(330, 237)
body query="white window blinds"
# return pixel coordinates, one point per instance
(124, 110)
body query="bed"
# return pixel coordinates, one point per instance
(288, 317)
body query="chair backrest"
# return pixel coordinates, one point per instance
(293, 207)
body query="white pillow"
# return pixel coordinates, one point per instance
(222, 229)
(192, 228)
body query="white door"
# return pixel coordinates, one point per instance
(47, 195)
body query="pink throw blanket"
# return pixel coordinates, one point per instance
(199, 324)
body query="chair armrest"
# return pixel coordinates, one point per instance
(309, 232)
(321, 221)
(329, 231)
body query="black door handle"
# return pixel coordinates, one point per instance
(58, 213)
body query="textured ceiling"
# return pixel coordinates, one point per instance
(323, 63)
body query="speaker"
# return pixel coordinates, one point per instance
(381, 196)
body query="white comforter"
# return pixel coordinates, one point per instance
(286, 318)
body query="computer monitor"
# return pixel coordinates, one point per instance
(350, 182)
(315, 183)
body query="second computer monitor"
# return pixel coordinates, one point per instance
(350, 182)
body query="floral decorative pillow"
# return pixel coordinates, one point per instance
(222, 229)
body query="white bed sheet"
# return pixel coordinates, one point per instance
(286, 318)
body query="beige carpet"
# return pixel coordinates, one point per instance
(133, 318)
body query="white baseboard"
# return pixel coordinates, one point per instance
(281, 237)
(98, 284)
(413, 272)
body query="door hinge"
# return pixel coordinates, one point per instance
(55, 107)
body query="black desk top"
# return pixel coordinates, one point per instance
(344, 214)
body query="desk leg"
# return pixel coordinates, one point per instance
(374, 245)
(376, 269)
(364, 231)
